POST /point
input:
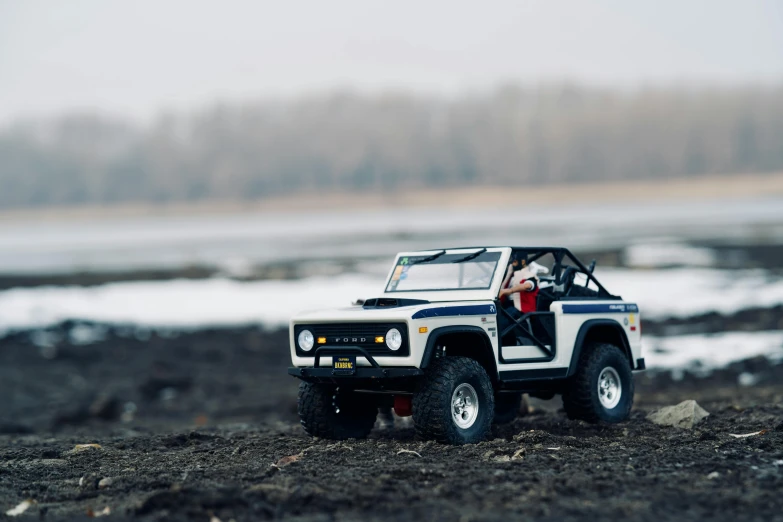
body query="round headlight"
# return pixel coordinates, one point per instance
(394, 339)
(306, 340)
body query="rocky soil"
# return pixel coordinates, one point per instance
(203, 424)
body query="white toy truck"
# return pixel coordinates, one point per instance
(438, 344)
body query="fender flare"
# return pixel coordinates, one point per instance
(429, 350)
(582, 335)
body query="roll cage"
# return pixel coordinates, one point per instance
(562, 273)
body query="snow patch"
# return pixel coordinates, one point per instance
(708, 352)
(179, 304)
(684, 292)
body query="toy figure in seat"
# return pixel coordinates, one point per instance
(521, 284)
(517, 294)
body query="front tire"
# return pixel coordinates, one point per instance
(328, 412)
(455, 402)
(602, 388)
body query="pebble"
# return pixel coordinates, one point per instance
(684, 415)
(713, 475)
(105, 482)
(84, 447)
(20, 508)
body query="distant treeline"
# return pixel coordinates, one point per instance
(345, 141)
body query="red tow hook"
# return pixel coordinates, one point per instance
(403, 405)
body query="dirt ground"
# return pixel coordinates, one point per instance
(203, 424)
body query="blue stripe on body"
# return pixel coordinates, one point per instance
(600, 308)
(447, 311)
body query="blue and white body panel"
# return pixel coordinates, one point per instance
(481, 314)
(570, 316)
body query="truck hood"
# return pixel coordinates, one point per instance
(358, 313)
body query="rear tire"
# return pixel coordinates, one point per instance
(602, 388)
(455, 402)
(507, 407)
(328, 412)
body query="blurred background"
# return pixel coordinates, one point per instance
(182, 167)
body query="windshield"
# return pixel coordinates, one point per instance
(459, 271)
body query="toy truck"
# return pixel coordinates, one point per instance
(438, 344)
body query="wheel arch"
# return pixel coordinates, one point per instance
(602, 331)
(462, 341)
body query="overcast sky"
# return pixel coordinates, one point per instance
(134, 57)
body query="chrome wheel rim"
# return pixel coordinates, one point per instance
(610, 389)
(464, 406)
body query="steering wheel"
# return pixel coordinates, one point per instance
(567, 279)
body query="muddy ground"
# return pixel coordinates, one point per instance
(204, 424)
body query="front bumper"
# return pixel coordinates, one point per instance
(375, 373)
(312, 373)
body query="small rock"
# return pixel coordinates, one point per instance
(684, 415)
(105, 482)
(20, 508)
(502, 458)
(713, 475)
(518, 454)
(102, 513)
(84, 447)
(286, 461)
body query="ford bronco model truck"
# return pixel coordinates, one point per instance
(440, 345)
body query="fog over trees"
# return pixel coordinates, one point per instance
(353, 142)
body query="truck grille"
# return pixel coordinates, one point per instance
(355, 334)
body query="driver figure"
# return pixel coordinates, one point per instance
(521, 284)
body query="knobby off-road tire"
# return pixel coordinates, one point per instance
(507, 407)
(325, 411)
(449, 390)
(594, 394)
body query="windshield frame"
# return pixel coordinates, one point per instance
(453, 294)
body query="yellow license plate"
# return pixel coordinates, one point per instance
(344, 365)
